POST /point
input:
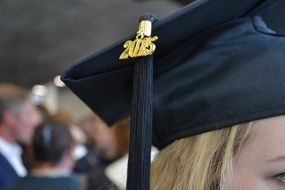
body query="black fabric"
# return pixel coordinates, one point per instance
(141, 120)
(45, 183)
(104, 82)
(272, 12)
(141, 125)
(231, 74)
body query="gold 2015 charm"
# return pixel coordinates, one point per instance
(143, 44)
(139, 47)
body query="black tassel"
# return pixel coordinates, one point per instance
(141, 123)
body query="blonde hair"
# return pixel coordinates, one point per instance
(200, 162)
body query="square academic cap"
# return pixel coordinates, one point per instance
(216, 64)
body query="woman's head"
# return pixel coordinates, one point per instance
(199, 162)
(247, 156)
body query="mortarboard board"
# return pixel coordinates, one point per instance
(213, 68)
(115, 76)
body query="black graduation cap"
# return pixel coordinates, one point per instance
(217, 63)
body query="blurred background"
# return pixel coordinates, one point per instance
(39, 39)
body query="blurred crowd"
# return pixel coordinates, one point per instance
(43, 151)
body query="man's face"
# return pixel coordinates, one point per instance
(25, 122)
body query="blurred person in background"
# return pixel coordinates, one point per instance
(102, 150)
(101, 137)
(18, 119)
(27, 156)
(80, 150)
(121, 131)
(77, 133)
(53, 147)
(117, 170)
(44, 113)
